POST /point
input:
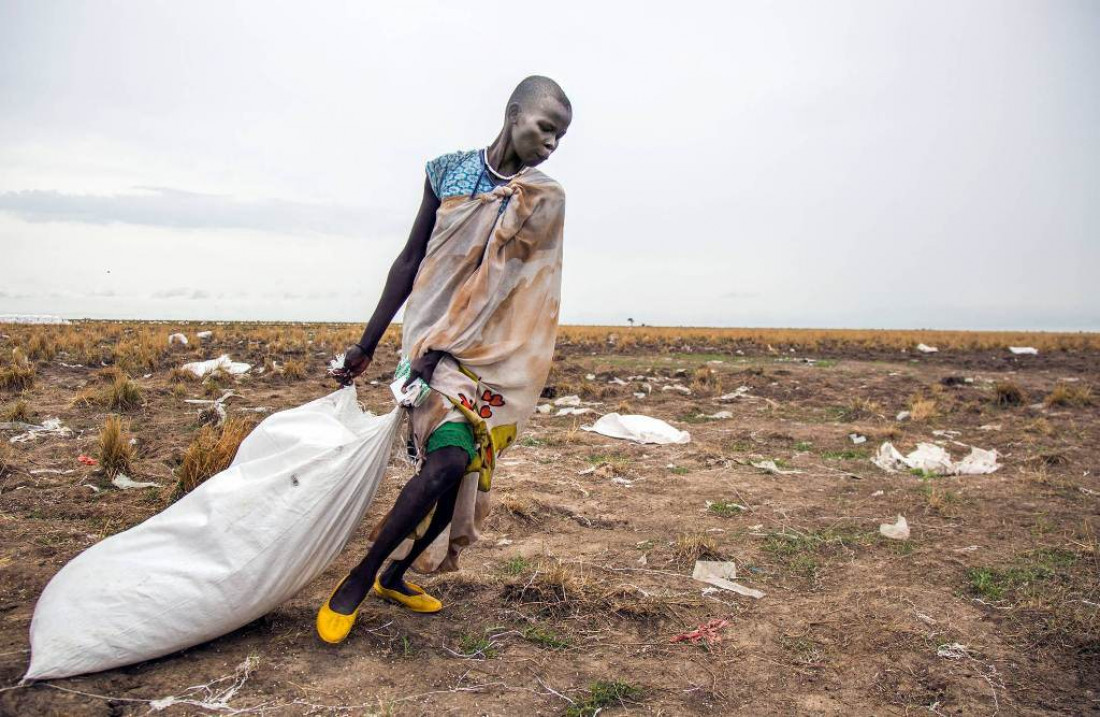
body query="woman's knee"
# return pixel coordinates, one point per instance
(443, 468)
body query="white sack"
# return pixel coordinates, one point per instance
(223, 362)
(1024, 350)
(177, 339)
(225, 554)
(640, 429)
(899, 530)
(931, 458)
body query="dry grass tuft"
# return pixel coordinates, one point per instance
(1069, 394)
(17, 373)
(518, 508)
(19, 411)
(552, 588)
(210, 453)
(7, 456)
(294, 370)
(116, 453)
(1007, 393)
(695, 546)
(123, 394)
(922, 408)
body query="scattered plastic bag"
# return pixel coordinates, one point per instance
(857, 438)
(204, 335)
(899, 530)
(226, 553)
(771, 467)
(570, 401)
(125, 482)
(926, 349)
(177, 339)
(49, 427)
(720, 574)
(707, 633)
(223, 363)
(1024, 350)
(930, 458)
(637, 428)
(739, 392)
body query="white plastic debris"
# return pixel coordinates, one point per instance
(926, 349)
(570, 411)
(49, 427)
(899, 530)
(1023, 350)
(639, 394)
(204, 335)
(125, 482)
(739, 392)
(677, 387)
(902, 415)
(878, 493)
(177, 339)
(590, 377)
(617, 381)
(638, 428)
(217, 405)
(544, 408)
(568, 401)
(720, 574)
(771, 467)
(930, 458)
(719, 415)
(856, 438)
(953, 651)
(223, 363)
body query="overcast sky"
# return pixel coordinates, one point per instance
(925, 164)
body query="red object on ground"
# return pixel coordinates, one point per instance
(707, 632)
(86, 460)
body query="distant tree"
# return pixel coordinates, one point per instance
(630, 321)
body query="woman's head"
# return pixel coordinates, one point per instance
(537, 116)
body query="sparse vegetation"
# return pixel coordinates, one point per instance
(725, 508)
(210, 452)
(1069, 394)
(1007, 393)
(602, 695)
(18, 411)
(116, 452)
(922, 408)
(17, 373)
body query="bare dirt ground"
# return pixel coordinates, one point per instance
(569, 603)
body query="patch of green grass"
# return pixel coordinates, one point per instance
(476, 646)
(922, 473)
(612, 458)
(800, 552)
(531, 442)
(725, 508)
(601, 695)
(825, 363)
(545, 638)
(851, 454)
(803, 446)
(679, 470)
(517, 565)
(646, 545)
(1030, 568)
(694, 418)
(739, 446)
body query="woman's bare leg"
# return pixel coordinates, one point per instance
(393, 577)
(441, 472)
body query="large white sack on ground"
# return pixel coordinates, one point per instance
(227, 553)
(641, 429)
(223, 363)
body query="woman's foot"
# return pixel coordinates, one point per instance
(391, 579)
(347, 597)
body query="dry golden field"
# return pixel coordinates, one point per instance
(570, 603)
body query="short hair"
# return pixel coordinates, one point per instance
(537, 87)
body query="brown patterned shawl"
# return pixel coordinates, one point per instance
(487, 293)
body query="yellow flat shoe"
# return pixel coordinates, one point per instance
(333, 627)
(421, 602)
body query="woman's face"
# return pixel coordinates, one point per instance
(538, 128)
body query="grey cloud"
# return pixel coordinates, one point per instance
(180, 209)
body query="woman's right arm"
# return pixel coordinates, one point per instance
(399, 284)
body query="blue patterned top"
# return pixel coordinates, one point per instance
(456, 173)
